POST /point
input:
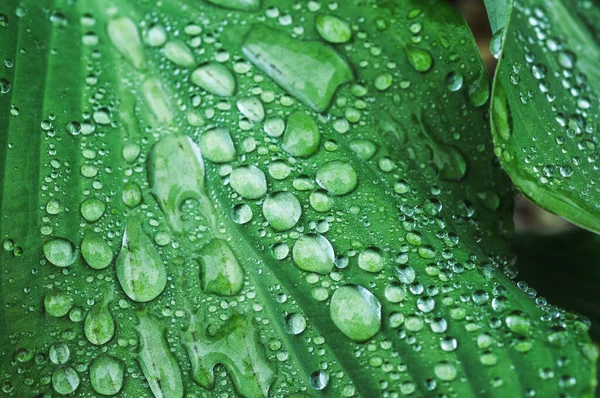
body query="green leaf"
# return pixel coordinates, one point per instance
(324, 219)
(498, 13)
(544, 108)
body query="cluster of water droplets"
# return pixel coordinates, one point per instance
(259, 199)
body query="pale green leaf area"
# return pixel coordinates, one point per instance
(260, 199)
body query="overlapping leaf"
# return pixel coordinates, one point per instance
(545, 106)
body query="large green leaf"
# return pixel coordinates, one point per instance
(545, 106)
(283, 199)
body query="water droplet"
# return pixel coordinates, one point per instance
(221, 273)
(333, 29)
(5, 86)
(480, 297)
(279, 170)
(566, 59)
(406, 274)
(139, 268)
(124, 35)
(131, 194)
(217, 146)
(445, 371)
(337, 177)
(99, 325)
(449, 344)
(318, 380)
(395, 293)
(281, 251)
(420, 59)
(313, 253)
(102, 116)
(365, 149)
(180, 54)
(302, 136)
(214, 78)
(251, 108)
(156, 36)
(95, 251)
(425, 303)
(57, 303)
(371, 260)
(282, 210)
(294, 324)
(65, 380)
(454, 81)
(320, 201)
(60, 252)
(242, 214)
(92, 209)
(131, 152)
(518, 322)
(356, 312)
(284, 60)
(156, 360)
(496, 43)
(106, 375)
(248, 181)
(274, 127)
(59, 353)
(479, 90)
(73, 128)
(383, 81)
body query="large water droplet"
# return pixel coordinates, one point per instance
(371, 260)
(242, 5)
(365, 149)
(106, 375)
(294, 323)
(282, 210)
(518, 322)
(156, 360)
(252, 108)
(420, 59)
(60, 252)
(445, 371)
(99, 325)
(337, 177)
(57, 303)
(313, 253)
(217, 146)
(95, 251)
(248, 181)
(65, 380)
(214, 78)
(356, 312)
(59, 353)
(406, 274)
(284, 60)
(180, 54)
(301, 137)
(123, 33)
(221, 272)
(333, 29)
(139, 268)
